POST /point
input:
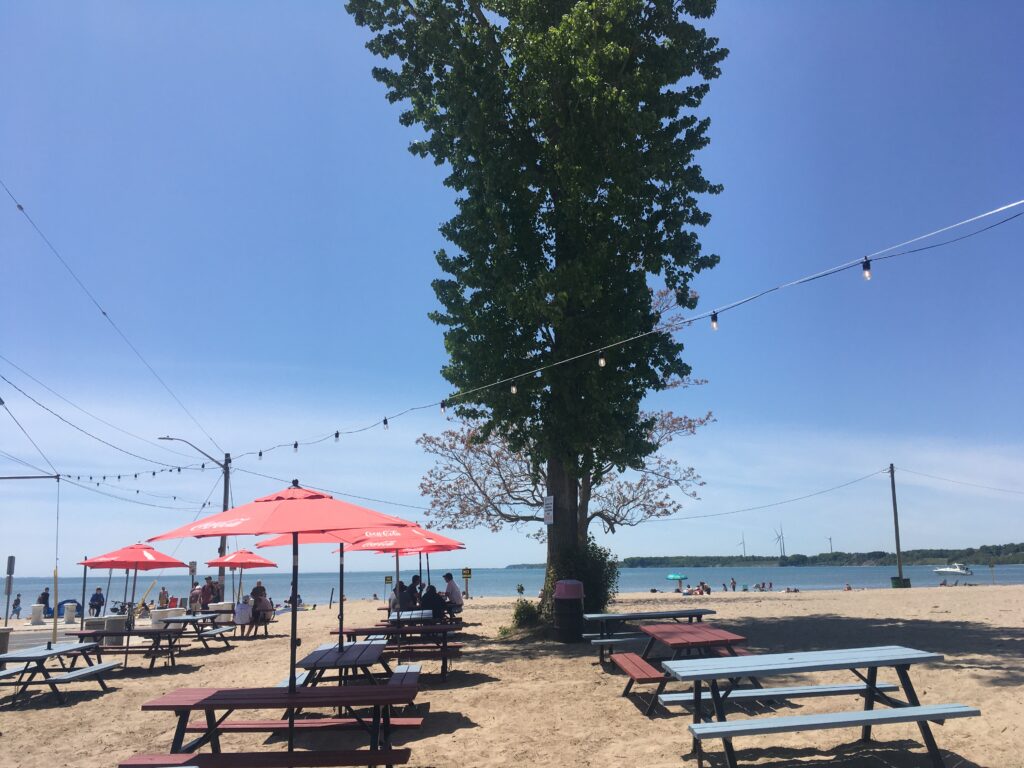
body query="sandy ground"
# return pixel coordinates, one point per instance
(524, 699)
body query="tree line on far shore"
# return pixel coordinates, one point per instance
(996, 554)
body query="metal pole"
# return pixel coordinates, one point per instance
(896, 522)
(428, 567)
(81, 619)
(223, 550)
(341, 594)
(294, 638)
(106, 597)
(130, 623)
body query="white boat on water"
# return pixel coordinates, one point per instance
(956, 569)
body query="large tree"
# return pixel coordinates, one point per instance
(569, 130)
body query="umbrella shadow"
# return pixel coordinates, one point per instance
(901, 753)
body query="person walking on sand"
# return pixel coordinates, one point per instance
(16, 606)
(732, 583)
(44, 600)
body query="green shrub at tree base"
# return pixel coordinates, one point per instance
(525, 614)
(595, 566)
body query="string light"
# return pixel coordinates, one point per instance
(295, 446)
(260, 457)
(514, 389)
(385, 422)
(337, 435)
(714, 321)
(601, 361)
(444, 407)
(866, 266)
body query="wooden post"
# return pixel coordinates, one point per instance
(896, 523)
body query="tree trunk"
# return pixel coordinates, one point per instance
(563, 533)
(583, 511)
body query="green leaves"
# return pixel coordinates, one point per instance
(568, 132)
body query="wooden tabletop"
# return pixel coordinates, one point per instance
(280, 698)
(329, 656)
(41, 652)
(789, 663)
(414, 629)
(136, 632)
(682, 613)
(190, 619)
(691, 635)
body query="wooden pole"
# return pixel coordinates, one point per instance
(896, 523)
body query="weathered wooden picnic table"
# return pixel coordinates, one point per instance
(606, 636)
(410, 617)
(65, 654)
(204, 625)
(709, 671)
(378, 699)
(162, 642)
(354, 657)
(433, 641)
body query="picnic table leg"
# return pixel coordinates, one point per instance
(179, 732)
(211, 726)
(696, 720)
(716, 700)
(375, 728)
(926, 731)
(444, 656)
(869, 701)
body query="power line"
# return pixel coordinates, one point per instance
(103, 312)
(125, 499)
(962, 482)
(91, 415)
(330, 490)
(26, 434)
(82, 430)
(769, 506)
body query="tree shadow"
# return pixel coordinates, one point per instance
(902, 753)
(996, 651)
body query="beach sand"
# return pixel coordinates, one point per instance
(522, 699)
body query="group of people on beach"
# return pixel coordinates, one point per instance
(416, 596)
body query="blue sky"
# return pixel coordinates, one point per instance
(235, 189)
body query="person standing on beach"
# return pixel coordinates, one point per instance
(163, 599)
(207, 593)
(258, 591)
(44, 600)
(732, 583)
(16, 606)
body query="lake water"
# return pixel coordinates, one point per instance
(491, 582)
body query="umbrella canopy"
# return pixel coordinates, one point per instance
(243, 558)
(294, 511)
(381, 538)
(137, 557)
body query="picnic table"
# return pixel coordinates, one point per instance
(162, 642)
(210, 701)
(349, 658)
(204, 625)
(690, 638)
(709, 671)
(606, 636)
(65, 654)
(410, 617)
(433, 641)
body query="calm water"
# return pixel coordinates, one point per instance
(490, 582)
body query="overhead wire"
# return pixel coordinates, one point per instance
(27, 435)
(107, 317)
(962, 482)
(331, 490)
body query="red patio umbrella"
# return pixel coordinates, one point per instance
(293, 511)
(136, 557)
(241, 560)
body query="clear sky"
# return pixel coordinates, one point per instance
(235, 190)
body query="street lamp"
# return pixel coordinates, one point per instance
(226, 469)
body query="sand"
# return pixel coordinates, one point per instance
(522, 699)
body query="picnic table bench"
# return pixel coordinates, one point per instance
(66, 655)
(183, 702)
(162, 642)
(688, 638)
(430, 642)
(710, 671)
(203, 625)
(607, 638)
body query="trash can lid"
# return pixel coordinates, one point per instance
(568, 589)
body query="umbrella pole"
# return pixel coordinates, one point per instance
(106, 597)
(294, 638)
(421, 568)
(233, 583)
(341, 595)
(428, 568)
(239, 598)
(129, 624)
(124, 600)
(81, 618)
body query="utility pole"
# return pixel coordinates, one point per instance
(226, 469)
(896, 523)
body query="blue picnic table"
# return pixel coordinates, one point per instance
(864, 663)
(33, 661)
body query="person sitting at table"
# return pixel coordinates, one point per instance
(432, 601)
(416, 586)
(406, 597)
(452, 595)
(243, 614)
(258, 591)
(262, 613)
(96, 602)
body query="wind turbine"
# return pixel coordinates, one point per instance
(780, 539)
(743, 543)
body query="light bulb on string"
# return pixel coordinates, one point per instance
(514, 389)
(337, 435)
(601, 361)
(202, 467)
(866, 267)
(260, 456)
(444, 407)
(385, 422)
(295, 446)
(714, 321)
